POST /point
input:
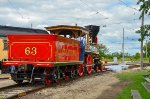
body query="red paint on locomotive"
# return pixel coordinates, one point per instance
(42, 48)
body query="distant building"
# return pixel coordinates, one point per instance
(5, 30)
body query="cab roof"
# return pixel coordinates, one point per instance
(76, 30)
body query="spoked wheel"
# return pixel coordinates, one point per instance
(96, 68)
(65, 76)
(16, 80)
(89, 69)
(80, 69)
(73, 72)
(55, 76)
(89, 61)
(47, 80)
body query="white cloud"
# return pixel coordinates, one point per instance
(43, 13)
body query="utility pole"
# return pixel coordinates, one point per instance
(123, 48)
(142, 31)
(31, 25)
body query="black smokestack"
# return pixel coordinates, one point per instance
(93, 31)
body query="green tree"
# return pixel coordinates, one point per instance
(144, 29)
(148, 49)
(117, 54)
(102, 49)
(144, 9)
(109, 56)
(137, 56)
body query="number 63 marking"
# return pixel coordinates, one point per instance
(30, 51)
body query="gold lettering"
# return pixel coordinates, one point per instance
(34, 51)
(30, 51)
(27, 50)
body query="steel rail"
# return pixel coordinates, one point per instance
(19, 90)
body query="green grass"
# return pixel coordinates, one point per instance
(1, 97)
(136, 78)
(108, 60)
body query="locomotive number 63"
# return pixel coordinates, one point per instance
(30, 50)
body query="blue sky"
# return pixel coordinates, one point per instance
(115, 14)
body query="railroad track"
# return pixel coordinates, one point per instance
(16, 91)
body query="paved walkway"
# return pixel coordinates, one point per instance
(5, 80)
(5, 76)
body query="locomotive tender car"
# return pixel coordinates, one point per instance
(4, 31)
(63, 54)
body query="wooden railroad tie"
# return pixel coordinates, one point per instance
(146, 85)
(146, 75)
(135, 94)
(147, 79)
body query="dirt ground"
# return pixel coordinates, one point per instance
(101, 86)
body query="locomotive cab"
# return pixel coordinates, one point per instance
(88, 41)
(73, 32)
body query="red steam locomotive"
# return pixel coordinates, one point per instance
(66, 52)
